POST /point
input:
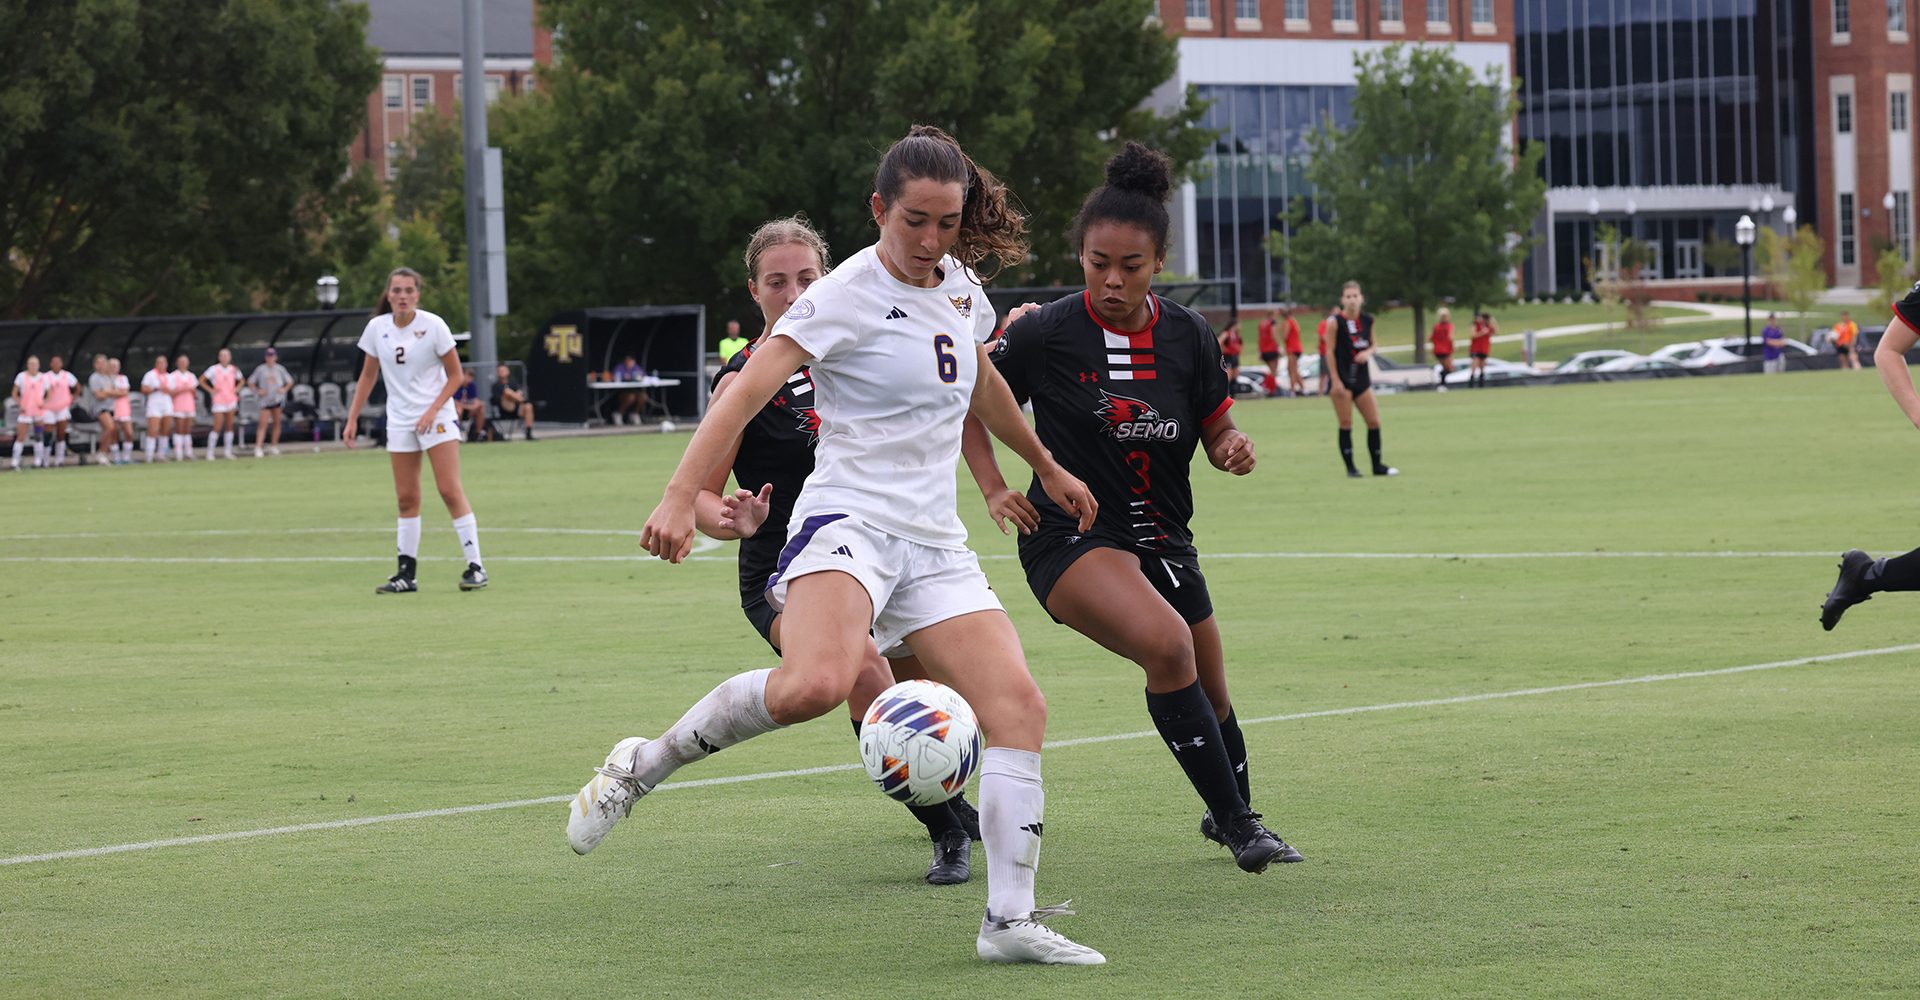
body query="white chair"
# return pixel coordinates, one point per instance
(333, 408)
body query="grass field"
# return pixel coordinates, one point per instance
(1736, 834)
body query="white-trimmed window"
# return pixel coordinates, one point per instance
(1897, 111)
(1483, 12)
(1392, 11)
(1903, 223)
(422, 91)
(1296, 10)
(1897, 15)
(1343, 11)
(1437, 11)
(1847, 256)
(395, 93)
(1246, 10)
(1199, 9)
(1842, 17)
(1843, 114)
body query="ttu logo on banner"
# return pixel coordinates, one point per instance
(563, 343)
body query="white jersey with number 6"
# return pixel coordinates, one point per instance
(409, 362)
(893, 372)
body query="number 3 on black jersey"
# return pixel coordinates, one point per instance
(949, 365)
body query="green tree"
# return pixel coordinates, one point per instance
(1896, 279)
(1423, 198)
(1722, 255)
(667, 130)
(171, 155)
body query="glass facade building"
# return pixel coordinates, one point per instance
(1707, 103)
(1245, 184)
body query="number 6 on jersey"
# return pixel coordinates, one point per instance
(949, 365)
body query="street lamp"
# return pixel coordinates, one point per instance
(327, 290)
(1743, 235)
(1789, 216)
(1886, 202)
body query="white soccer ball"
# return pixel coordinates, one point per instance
(666, 427)
(920, 742)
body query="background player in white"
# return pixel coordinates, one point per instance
(185, 387)
(122, 411)
(101, 387)
(57, 411)
(894, 340)
(414, 352)
(270, 380)
(30, 393)
(222, 382)
(157, 385)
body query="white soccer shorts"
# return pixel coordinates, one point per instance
(911, 585)
(402, 437)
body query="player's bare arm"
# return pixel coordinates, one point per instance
(1228, 448)
(710, 512)
(1891, 359)
(670, 528)
(369, 370)
(451, 362)
(1003, 502)
(993, 403)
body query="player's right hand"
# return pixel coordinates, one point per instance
(349, 431)
(669, 531)
(744, 511)
(1011, 504)
(1071, 494)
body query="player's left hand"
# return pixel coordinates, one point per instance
(745, 511)
(1070, 493)
(423, 425)
(1232, 452)
(1018, 311)
(1012, 505)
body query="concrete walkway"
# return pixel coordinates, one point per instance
(1708, 311)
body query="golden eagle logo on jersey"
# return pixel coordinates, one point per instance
(1130, 419)
(962, 304)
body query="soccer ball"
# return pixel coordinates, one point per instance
(920, 743)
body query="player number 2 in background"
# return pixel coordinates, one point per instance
(399, 354)
(949, 365)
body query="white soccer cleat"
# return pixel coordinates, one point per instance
(1028, 940)
(609, 796)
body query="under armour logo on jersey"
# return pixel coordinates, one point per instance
(1198, 742)
(842, 551)
(897, 313)
(1033, 828)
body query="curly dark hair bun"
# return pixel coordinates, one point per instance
(1137, 168)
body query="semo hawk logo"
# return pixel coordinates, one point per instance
(1133, 420)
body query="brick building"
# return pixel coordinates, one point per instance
(420, 44)
(1863, 69)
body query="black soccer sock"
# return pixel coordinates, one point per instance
(1896, 573)
(1373, 447)
(1346, 448)
(408, 566)
(1186, 722)
(937, 819)
(1236, 754)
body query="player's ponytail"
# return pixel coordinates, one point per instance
(1135, 194)
(991, 226)
(419, 285)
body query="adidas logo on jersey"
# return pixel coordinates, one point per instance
(842, 551)
(897, 313)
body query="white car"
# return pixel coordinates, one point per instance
(1497, 371)
(1719, 351)
(1636, 363)
(1587, 361)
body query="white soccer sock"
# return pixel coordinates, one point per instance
(1012, 807)
(126, 450)
(183, 446)
(410, 536)
(469, 531)
(151, 445)
(227, 440)
(734, 712)
(19, 448)
(60, 452)
(39, 452)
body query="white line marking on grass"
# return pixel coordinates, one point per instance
(709, 544)
(1056, 744)
(308, 531)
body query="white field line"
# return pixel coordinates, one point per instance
(1055, 744)
(994, 555)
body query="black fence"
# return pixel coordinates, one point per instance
(316, 347)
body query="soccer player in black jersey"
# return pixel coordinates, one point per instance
(1124, 385)
(776, 453)
(1861, 575)
(1350, 347)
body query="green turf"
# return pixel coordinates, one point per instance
(1738, 835)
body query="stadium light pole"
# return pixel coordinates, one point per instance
(1743, 234)
(473, 123)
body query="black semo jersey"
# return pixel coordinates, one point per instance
(777, 448)
(1120, 409)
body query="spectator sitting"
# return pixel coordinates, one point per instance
(469, 408)
(630, 401)
(509, 398)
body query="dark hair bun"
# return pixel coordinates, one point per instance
(1137, 168)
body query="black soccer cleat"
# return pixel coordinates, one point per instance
(1247, 853)
(1849, 590)
(474, 578)
(400, 582)
(952, 859)
(969, 816)
(1385, 470)
(1354, 474)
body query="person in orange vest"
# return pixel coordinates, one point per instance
(1845, 333)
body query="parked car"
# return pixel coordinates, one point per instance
(1719, 351)
(1589, 360)
(1497, 371)
(1739, 345)
(1635, 363)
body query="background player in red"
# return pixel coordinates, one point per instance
(1230, 347)
(1127, 425)
(1443, 344)
(1481, 347)
(1270, 353)
(1327, 324)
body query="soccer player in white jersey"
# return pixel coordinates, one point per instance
(414, 351)
(157, 385)
(30, 393)
(893, 340)
(222, 382)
